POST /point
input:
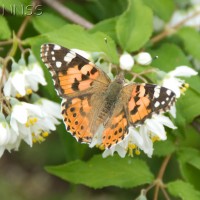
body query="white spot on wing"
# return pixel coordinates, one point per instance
(58, 64)
(168, 92)
(57, 47)
(52, 52)
(157, 91)
(69, 56)
(53, 58)
(157, 104)
(163, 102)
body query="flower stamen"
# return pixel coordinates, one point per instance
(29, 91)
(184, 87)
(45, 134)
(155, 138)
(18, 95)
(131, 147)
(31, 121)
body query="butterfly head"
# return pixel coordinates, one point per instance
(120, 78)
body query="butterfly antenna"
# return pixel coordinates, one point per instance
(109, 50)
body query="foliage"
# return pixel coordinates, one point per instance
(128, 26)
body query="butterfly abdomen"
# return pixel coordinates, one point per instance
(110, 99)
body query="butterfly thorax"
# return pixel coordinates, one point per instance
(110, 98)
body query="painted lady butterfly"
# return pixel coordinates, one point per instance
(90, 99)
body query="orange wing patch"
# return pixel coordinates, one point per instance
(115, 130)
(138, 104)
(75, 79)
(75, 114)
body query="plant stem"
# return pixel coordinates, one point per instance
(68, 14)
(159, 183)
(172, 29)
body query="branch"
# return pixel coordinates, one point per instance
(159, 182)
(169, 30)
(68, 14)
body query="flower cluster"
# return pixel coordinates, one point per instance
(143, 136)
(21, 120)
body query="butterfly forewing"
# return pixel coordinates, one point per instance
(81, 85)
(146, 99)
(71, 72)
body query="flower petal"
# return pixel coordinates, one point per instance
(157, 128)
(147, 146)
(172, 111)
(18, 83)
(184, 71)
(173, 84)
(165, 121)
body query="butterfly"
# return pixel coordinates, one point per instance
(90, 99)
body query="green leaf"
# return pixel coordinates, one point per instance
(106, 26)
(134, 26)
(170, 56)
(188, 105)
(183, 190)
(190, 138)
(189, 162)
(191, 156)
(191, 41)
(47, 22)
(194, 83)
(73, 36)
(20, 7)
(163, 8)
(104, 9)
(99, 172)
(163, 148)
(5, 32)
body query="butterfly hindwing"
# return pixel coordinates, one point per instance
(115, 130)
(76, 113)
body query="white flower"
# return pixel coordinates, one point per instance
(24, 79)
(8, 137)
(142, 137)
(144, 58)
(34, 76)
(33, 122)
(176, 84)
(49, 107)
(126, 61)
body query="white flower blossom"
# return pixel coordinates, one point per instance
(23, 79)
(178, 85)
(126, 61)
(143, 58)
(8, 137)
(33, 122)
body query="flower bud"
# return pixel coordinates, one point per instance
(144, 58)
(126, 61)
